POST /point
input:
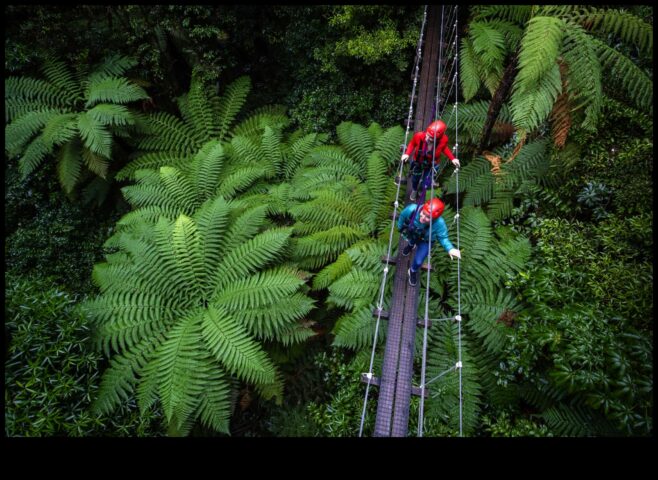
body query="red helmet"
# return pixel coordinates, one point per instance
(436, 129)
(435, 206)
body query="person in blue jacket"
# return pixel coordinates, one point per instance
(415, 228)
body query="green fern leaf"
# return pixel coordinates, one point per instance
(231, 103)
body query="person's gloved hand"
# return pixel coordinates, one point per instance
(404, 157)
(455, 162)
(454, 253)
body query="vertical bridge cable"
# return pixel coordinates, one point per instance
(459, 304)
(429, 253)
(380, 303)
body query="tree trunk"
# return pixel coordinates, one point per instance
(499, 98)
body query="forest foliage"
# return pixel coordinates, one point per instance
(197, 199)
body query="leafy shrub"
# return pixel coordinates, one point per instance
(586, 335)
(52, 371)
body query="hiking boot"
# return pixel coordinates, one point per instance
(413, 278)
(412, 197)
(407, 250)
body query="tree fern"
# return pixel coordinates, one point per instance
(209, 299)
(342, 191)
(67, 112)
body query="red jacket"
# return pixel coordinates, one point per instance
(417, 146)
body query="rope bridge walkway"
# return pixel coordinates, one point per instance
(438, 84)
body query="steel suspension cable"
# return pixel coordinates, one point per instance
(459, 302)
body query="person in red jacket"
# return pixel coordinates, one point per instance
(425, 150)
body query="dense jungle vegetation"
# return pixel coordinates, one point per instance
(197, 199)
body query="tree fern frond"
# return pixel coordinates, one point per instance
(230, 104)
(488, 44)
(273, 116)
(469, 76)
(296, 152)
(113, 90)
(33, 155)
(95, 163)
(69, 165)
(484, 309)
(583, 73)
(532, 105)
(119, 379)
(271, 322)
(251, 256)
(629, 28)
(539, 50)
(200, 113)
(239, 180)
(273, 156)
(295, 334)
(115, 65)
(172, 135)
(513, 13)
(576, 420)
(356, 288)
(38, 90)
(177, 366)
(356, 330)
(622, 72)
(388, 144)
(216, 406)
(444, 401)
(94, 135)
(230, 345)
(355, 139)
(262, 288)
(110, 114)
(23, 129)
(59, 75)
(153, 161)
(331, 273)
(60, 129)
(208, 163)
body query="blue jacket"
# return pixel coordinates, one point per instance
(421, 231)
